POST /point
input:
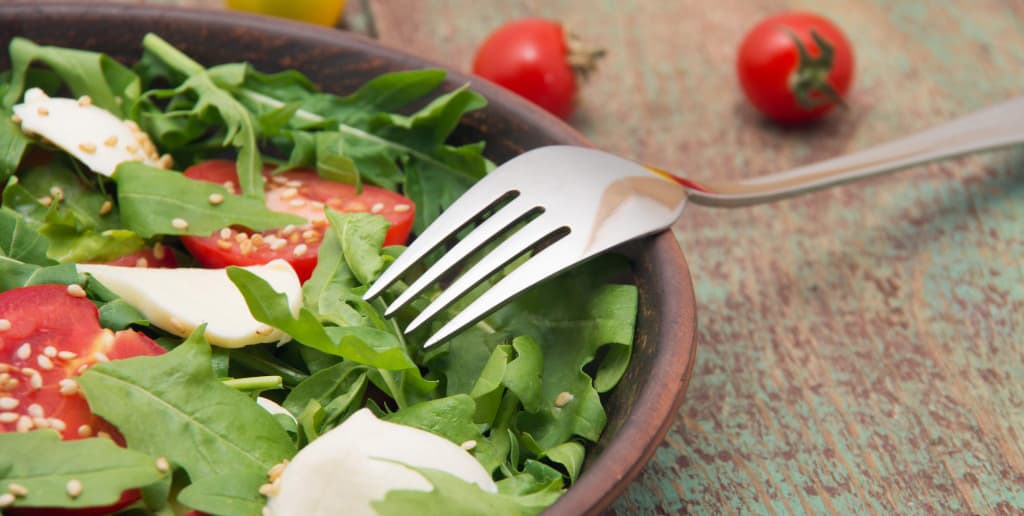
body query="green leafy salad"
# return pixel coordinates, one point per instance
(183, 254)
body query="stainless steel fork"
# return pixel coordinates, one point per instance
(577, 202)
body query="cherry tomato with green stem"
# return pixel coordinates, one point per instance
(795, 67)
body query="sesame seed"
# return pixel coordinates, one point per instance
(9, 403)
(310, 234)
(17, 489)
(300, 249)
(241, 237)
(50, 351)
(468, 445)
(294, 238)
(24, 424)
(142, 262)
(179, 223)
(100, 356)
(278, 243)
(377, 207)
(294, 183)
(268, 489)
(103, 435)
(11, 384)
(45, 201)
(225, 233)
(162, 465)
(289, 193)
(84, 100)
(88, 148)
(57, 192)
(132, 126)
(44, 362)
(73, 488)
(178, 326)
(16, 119)
(276, 470)
(35, 410)
(159, 251)
(57, 424)
(245, 247)
(110, 142)
(215, 198)
(6, 499)
(81, 369)
(5, 325)
(402, 207)
(224, 244)
(41, 422)
(279, 180)
(106, 339)
(42, 111)
(4, 377)
(257, 240)
(9, 417)
(76, 290)
(289, 229)
(166, 161)
(297, 203)
(84, 431)
(563, 399)
(67, 355)
(68, 386)
(24, 351)
(106, 207)
(131, 149)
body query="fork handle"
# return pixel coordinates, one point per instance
(990, 128)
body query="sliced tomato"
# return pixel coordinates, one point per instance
(51, 337)
(303, 193)
(157, 256)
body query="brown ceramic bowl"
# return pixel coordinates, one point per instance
(643, 407)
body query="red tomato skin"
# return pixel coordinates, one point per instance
(529, 57)
(768, 57)
(211, 252)
(46, 315)
(166, 260)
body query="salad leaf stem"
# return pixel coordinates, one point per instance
(174, 58)
(289, 376)
(254, 383)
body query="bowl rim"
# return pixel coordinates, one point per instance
(611, 472)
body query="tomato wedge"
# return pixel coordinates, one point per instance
(157, 256)
(48, 336)
(301, 192)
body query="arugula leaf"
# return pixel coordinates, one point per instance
(570, 455)
(325, 386)
(360, 236)
(13, 144)
(150, 198)
(14, 274)
(21, 242)
(84, 72)
(239, 126)
(44, 464)
(172, 405)
(235, 495)
(524, 374)
(453, 496)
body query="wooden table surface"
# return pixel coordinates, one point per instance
(861, 350)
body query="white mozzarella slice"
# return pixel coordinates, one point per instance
(179, 300)
(360, 461)
(92, 134)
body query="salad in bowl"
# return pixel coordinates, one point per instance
(183, 253)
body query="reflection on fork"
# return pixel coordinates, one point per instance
(564, 204)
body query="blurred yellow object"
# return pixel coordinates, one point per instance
(320, 12)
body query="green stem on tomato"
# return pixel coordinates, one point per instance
(254, 383)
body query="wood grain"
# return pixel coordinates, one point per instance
(862, 349)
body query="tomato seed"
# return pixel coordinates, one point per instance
(57, 424)
(24, 424)
(44, 362)
(9, 403)
(67, 355)
(24, 351)
(5, 325)
(300, 249)
(50, 351)
(9, 417)
(35, 410)
(224, 244)
(100, 356)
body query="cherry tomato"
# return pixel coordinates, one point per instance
(158, 257)
(52, 337)
(530, 57)
(795, 67)
(301, 192)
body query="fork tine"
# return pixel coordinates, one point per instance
(485, 232)
(528, 236)
(461, 212)
(546, 263)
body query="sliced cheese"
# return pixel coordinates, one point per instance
(179, 300)
(91, 134)
(360, 461)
